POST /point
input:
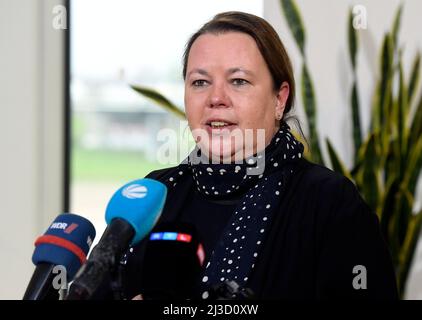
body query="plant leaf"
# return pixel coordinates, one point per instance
(309, 104)
(353, 43)
(416, 126)
(357, 133)
(159, 99)
(400, 220)
(336, 163)
(383, 92)
(396, 26)
(414, 77)
(294, 20)
(386, 78)
(408, 249)
(413, 166)
(353, 47)
(391, 164)
(384, 103)
(402, 112)
(388, 201)
(368, 177)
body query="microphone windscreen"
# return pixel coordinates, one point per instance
(172, 262)
(66, 242)
(140, 203)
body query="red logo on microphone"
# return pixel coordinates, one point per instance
(184, 237)
(70, 228)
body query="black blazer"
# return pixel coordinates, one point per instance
(323, 240)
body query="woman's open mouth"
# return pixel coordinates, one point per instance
(219, 126)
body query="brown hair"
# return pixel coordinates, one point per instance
(266, 38)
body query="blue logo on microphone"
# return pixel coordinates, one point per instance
(135, 191)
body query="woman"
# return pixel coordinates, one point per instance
(270, 220)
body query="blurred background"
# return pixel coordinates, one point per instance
(73, 130)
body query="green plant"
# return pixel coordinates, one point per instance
(294, 20)
(159, 99)
(387, 164)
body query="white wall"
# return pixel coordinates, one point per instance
(326, 48)
(31, 139)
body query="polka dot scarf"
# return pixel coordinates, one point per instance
(238, 248)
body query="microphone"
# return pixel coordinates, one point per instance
(63, 247)
(230, 290)
(130, 215)
(172, 262)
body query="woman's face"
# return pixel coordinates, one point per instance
(230, 101)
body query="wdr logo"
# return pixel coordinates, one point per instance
(135, 191)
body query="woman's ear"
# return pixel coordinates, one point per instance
(282, 96)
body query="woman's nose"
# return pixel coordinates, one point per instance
(218, 96)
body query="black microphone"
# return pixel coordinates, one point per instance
(58, 254)
(230, 290)
(131, 214)
(172, 262)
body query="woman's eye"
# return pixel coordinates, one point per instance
(199, 83)
(239, 82)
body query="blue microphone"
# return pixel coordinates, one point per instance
(66, 243)
(130, 215)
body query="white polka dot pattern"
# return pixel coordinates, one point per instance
(237, 251)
